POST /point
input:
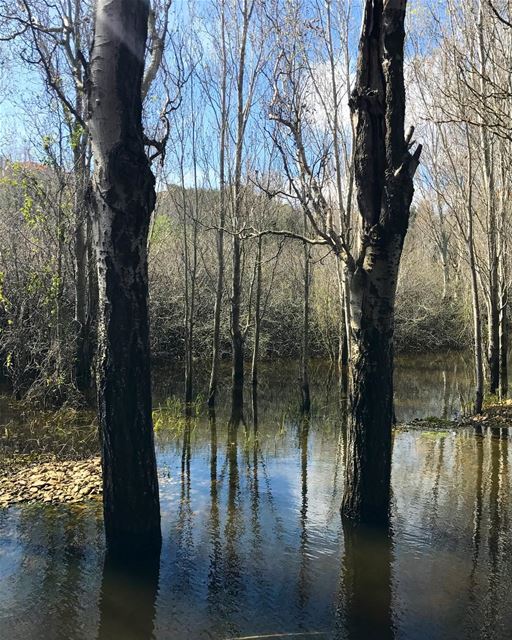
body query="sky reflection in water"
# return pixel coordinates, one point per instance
(254, 545)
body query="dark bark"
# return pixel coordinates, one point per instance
(214, 375)
(125, 198)
(384, 171)
(190, 281)
(367, 489)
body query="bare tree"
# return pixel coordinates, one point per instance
(223, 119)
(383, 172)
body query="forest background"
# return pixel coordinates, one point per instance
(246, 114)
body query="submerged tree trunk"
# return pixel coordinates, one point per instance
(384, 171)
(304, 360)
(243, 102)
(237, 338)
(257, 317)
(503, 331)
(475, 297)
(493, 353)
(503, 277)
(125, 198)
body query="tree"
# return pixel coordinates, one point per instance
(383, 174)
(223, 122)
(384, 170)
(124, 191)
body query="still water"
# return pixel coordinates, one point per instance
(253, 542)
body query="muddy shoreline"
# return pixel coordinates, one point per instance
(39, 477)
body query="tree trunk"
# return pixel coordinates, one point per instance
(82, 324)
(367, 489)
(304, 360)
(493, 354)
(503, 331)
(477, 322)
(237, 338)
(493, 333)
(384, 171)
(343, 349)
(257, 317)
(125, 198)
(214, 375)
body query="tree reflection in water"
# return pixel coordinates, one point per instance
(128, 595)
(365, 607)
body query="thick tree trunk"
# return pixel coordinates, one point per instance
(125, 198)
(367, 490)
(384, 171)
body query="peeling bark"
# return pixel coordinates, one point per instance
(384, 171)
(124, 198)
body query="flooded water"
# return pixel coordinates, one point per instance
(253, 544)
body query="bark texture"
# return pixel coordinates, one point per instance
(125, 198)
(384, 171)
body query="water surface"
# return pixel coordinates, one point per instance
(253, 541)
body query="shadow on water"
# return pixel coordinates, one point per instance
(129, 590)
(365, 595)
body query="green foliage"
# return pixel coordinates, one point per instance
(76, 136)
(170, 417)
